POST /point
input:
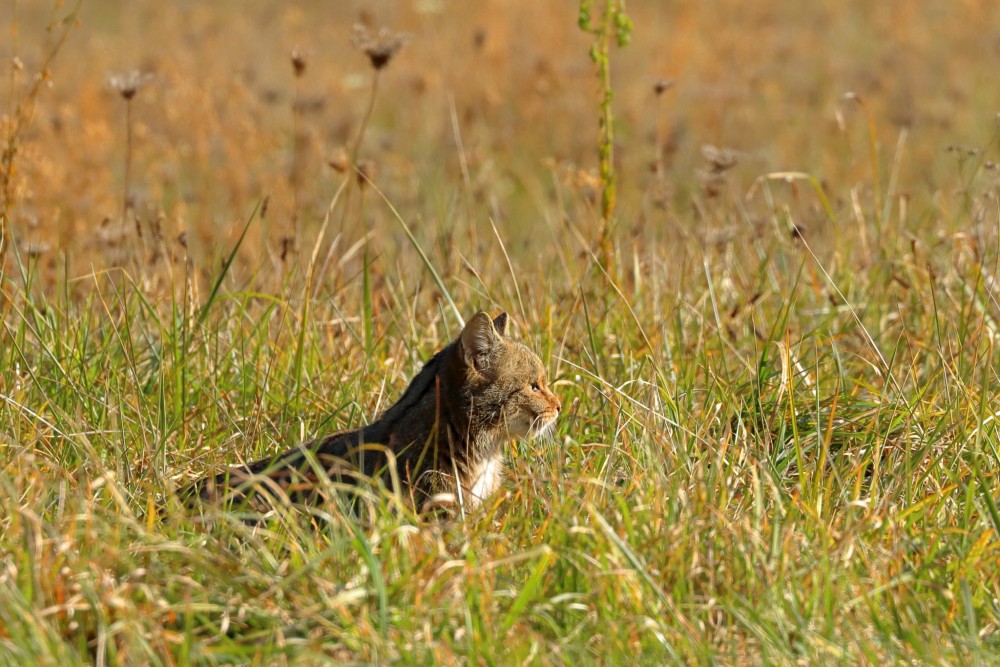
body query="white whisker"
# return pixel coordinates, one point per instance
(544, 430)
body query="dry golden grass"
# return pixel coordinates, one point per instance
(779, 444)
(213, 129)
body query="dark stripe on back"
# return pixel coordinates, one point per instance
(419, 386)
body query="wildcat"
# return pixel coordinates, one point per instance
(443, 438)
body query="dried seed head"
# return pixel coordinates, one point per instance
(719, 159)
(287, 247)
(380, 47)
(35, 249)
(366, 172)
(129, 83)
(338, 160)
(662, 86)
(299, 60)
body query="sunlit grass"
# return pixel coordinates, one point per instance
(778, 442)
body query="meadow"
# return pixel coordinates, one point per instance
(228, 227)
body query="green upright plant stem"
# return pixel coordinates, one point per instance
(612, 23)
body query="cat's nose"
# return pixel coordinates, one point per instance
(558, 404)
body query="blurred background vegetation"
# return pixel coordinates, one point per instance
(489, 110)
(778, 362)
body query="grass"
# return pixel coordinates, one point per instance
(779, 442)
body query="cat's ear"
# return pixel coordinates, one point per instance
(500, 324)
(479, 340)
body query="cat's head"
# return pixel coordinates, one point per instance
(505, 382)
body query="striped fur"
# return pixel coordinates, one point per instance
(442, 438)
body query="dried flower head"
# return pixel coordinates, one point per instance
(300, 59)
(380, 47)
(662, 86)
(719, 159)
(130, 82)
(339, 161)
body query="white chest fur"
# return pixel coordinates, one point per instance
(484, 480)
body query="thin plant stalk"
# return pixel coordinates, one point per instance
(367, 314)
(23, 107)
(364, 121)
(367, 302)
(128, 84)
(295, 176)
(128, 161)
(612, 22)
(356, 148)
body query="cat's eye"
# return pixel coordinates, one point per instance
(535, 387)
